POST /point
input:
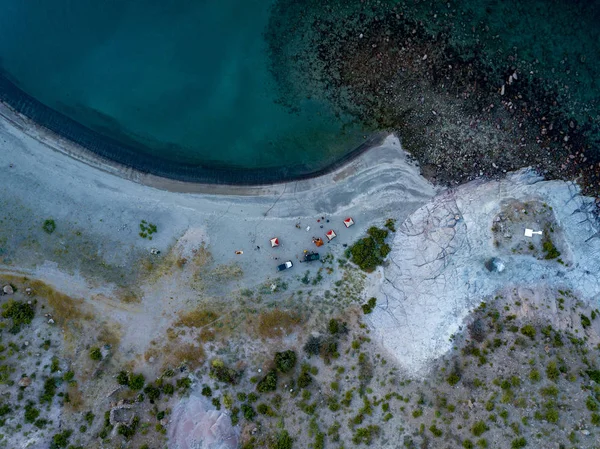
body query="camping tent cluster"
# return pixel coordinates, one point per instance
(318, 241)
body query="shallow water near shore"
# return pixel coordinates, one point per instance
(181, 83)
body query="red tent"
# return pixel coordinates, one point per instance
(348, 222)
(274, 242)
(330, 235)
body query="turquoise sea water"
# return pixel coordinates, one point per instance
(182, 82)
(211, 91)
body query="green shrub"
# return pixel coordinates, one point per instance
(19, 312)
(206, 391)
(222, 373)
(585, 321)
(468, 444)
(334, 326)
(552, 371)
(435, 431)
(549, 249)
(591, 404)
(594, 375)
(417, 412)
(390, 223)
(369, 306)
(366, 434)
(596, 419)
(453, 378)
(479, 428)
(152, 392)
(305, 379)
(89, 418)
(60, 440)
(370, 251)
(529, 331)
(95, 353)
(136, 381)
(482, 443)
(285, 361)
(129, 431)
(49, 226)
(282, 440)
(49, 390)
(248, 412)
(518, 443)
(31, 413)
(122, 378)
(534, 375)
(268, 383)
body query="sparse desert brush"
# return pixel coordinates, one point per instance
(197, 318)
(276, 323)
(226, 272)
(64, 308)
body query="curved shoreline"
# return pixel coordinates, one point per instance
(88, 146)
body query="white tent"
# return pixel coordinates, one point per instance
(274, 242)
(330, 235)
(348, 222)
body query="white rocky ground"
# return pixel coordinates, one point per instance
(436, 274)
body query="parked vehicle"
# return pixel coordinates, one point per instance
(285, 265)
(309, 257)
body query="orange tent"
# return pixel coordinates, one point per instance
(318, 242)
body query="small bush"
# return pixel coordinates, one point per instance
(417, 412)
(529, 331)
(435, 431)
(534, 375)
(49, 226)
(248, 412)
(136, 381)
(479, 428)
(585, 321)
(591, 404)
(285, 361)
(268, 383)
(369, 306)
(122, 378)
(453, 378)
(31, 413)
(19, 312)
(552, 371)
(206, 391)
(95, 353)
(222, 373)
(518, 443)
(60, 440)
(313, 345)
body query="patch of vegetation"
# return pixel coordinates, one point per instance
(550, 251)
(529, 331)
(366, 434)
(268, 383)
(95, 353)
(49, 390)
(136, 381)
(369, 306)
(368, 253)
(390, 223)
(49, 226)
(147, 229)
(221, 372)
(19, 312)
(61, 440)
(285, 361)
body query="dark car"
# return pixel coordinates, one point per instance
(285, 266)
(309, 257)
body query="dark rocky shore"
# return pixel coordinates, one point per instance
(461, 112)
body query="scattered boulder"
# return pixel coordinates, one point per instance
(8, 290)
(24, 382)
